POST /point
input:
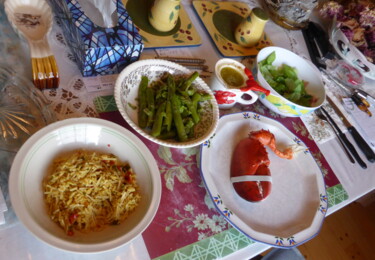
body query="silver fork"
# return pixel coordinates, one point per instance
(321, 116)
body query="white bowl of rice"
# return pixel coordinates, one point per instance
(85, 185)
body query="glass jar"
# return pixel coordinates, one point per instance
(290, 14)
(23, 111)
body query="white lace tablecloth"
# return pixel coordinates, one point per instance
(74, 97)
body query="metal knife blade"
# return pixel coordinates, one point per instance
(362, 144)
(346, 141)
(338, 112)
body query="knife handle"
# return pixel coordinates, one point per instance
(352, 150)
(366, 149)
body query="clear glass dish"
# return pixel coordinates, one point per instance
(23, 110)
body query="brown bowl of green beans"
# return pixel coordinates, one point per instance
(166, 103)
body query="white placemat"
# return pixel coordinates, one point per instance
(364, 124)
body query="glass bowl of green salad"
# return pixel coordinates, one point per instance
(296, 85)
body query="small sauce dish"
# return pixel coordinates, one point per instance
(229, 84)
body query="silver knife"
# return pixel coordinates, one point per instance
(362, 144)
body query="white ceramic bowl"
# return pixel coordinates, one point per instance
(35, 156)
(126, 95)
(306, 71)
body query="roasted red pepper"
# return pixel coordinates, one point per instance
(223, 97)
(73, 217)
(251, 84)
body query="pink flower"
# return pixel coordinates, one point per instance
(331, 9)
(367, 18)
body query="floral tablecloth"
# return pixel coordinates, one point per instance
(186, 209)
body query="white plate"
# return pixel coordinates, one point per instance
(351, 54)
(294, 211)
(126, 96)
(35, 156)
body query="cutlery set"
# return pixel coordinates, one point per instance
(347, 146)
(366, 149)
(359, 97)
(319, 113)
(321, 52)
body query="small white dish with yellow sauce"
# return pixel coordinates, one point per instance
(229, 84)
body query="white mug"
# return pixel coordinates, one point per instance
(229, 92)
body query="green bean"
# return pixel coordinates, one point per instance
(191, 92)
(194, 113)
(150, 106)
(188, 82)
(191, 107)
(182, 93)
(189, 125)
(168, 110)
(167, 134)
(142, 99)
(178, 119)
(158, 121)
(170, 106)
(205, 97)
(168, 116)
(161, 90)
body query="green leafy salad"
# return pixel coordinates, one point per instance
(285, 81)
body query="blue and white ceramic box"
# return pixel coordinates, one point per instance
(98, 50)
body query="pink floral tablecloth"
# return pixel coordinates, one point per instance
(186, 215)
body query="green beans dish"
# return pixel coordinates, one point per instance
(170, 106)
